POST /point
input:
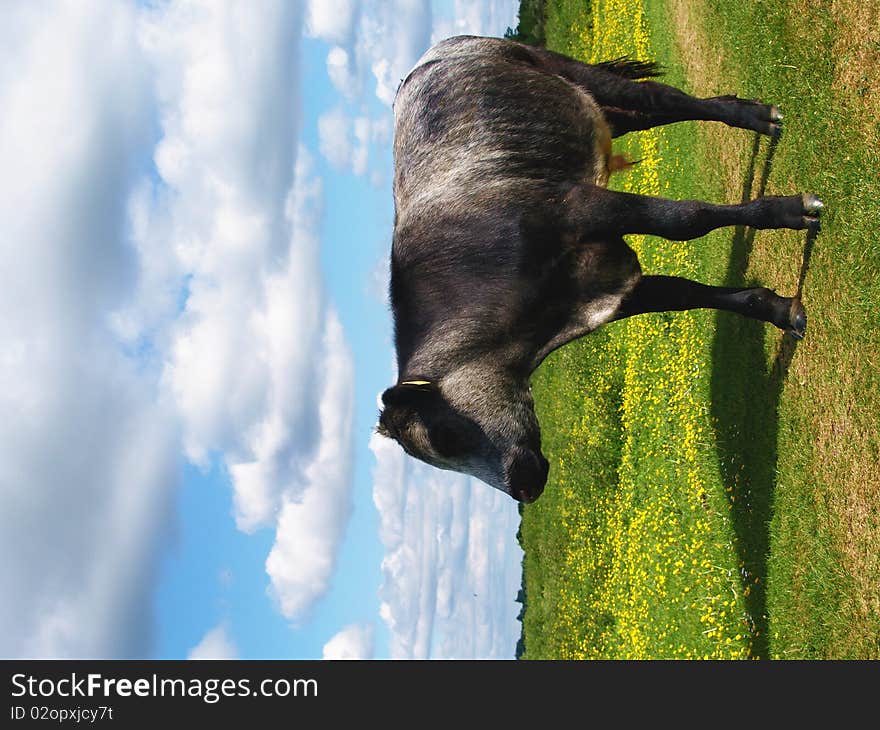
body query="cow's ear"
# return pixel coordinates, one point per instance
(402, 403)
(410, 393)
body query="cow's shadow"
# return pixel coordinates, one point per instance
(745, 403)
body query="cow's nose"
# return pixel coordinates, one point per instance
(529, 494)
(527, 497)
(527, 475)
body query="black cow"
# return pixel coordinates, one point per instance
(507, 244)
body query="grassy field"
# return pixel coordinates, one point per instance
(714, 485)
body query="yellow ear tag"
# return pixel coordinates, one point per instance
(416, 382)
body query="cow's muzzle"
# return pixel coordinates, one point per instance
(527, 475)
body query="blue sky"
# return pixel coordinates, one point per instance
(197, 212)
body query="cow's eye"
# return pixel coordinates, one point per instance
(447, 441)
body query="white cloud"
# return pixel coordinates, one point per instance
(360, 155)
(341, 73)
(228, 157)
(331, 21)
(345, 141)
(398, 34)
(391, 35)
(251, 353)
(216, 644)
(378, 49)
(334, 128)
(452, 566)
(310, 526)
(353, 642)
(107, 368)
(368, 132)
(87, 445)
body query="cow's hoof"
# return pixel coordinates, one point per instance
(797, 319)
(774, 130)
(813, 208)
(775, 114)
(812, 204)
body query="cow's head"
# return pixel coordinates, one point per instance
(490, 433)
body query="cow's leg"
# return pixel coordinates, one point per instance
(630, 105)
(657, 104)
(674, 294)
(594, 211)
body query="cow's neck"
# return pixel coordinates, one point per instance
(450, 353)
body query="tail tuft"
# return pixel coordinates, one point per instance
(630, 68)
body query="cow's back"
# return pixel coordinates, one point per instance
(478, 121)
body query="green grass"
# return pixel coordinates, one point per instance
(816, 422)
(671, 430)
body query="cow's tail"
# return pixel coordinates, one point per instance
(620, 163)
(630, 68)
